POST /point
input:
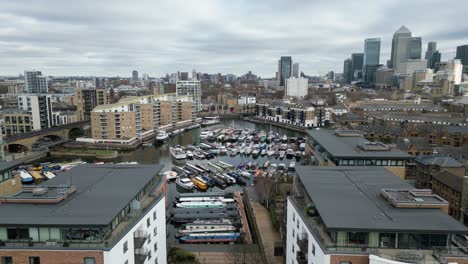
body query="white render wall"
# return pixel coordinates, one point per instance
(117, 256)
(297, 87)
(295, 227)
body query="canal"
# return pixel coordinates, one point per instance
(159, 154)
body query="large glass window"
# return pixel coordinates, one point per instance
(387, 240)
(357, 238)
(18, 233)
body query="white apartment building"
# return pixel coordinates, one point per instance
(40, 107)
(35, 82)
(246, 100)
(108, 214)
(366, 215)
(410, 66)
(193, 89)
(297, 87)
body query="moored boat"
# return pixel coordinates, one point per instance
(184, 183)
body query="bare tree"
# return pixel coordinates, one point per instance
(245, 254)
(264, 187)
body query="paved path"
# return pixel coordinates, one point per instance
(267, 233)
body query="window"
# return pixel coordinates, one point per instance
(155, 231)
(149, 254)
(149, 238)
(148, 222)
(89, 260)
(155, 246)
(7, 260)
(34, 260)
(126, 262)
(18, 233)
(294, 232)
(313, 249)
(154, 215)
(125, 246)
(345, 262)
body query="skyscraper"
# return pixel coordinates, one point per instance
(285, 69)
(415, 48)
(462, 54)
(357, 61)
(347, 71)
(431, 48)
(35, 82)
(371, 51)
(435, 58)
(135, 75)
(371, 57)
(404, 47)
(295, 70)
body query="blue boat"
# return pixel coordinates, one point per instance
(210, 238)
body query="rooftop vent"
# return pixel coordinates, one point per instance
(348, 133)
(373, 146)
(39, 191)
(414, 198)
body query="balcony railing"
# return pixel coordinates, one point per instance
(301, 257)
(303, 242)
(139, 238)
(140, 255)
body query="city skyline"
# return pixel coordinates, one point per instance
(167, 36)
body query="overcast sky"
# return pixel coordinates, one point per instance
(108, 38)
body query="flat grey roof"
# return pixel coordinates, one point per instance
(102, 192)
(348, 198)
(8, 165)
(347, 147)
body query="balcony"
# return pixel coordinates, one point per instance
(140, 255)
(303, 242)
(301, 257)
(103, 239)
(139, 238)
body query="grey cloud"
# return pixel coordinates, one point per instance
(159, 36)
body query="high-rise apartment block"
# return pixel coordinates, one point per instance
(40, 108)
(297, 87)
(135, 75)
(192, 89)
(87, 99)
(35, 82)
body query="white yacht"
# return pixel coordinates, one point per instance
(162, 136)
(210, 120)
(177, 153)
(184, 183)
